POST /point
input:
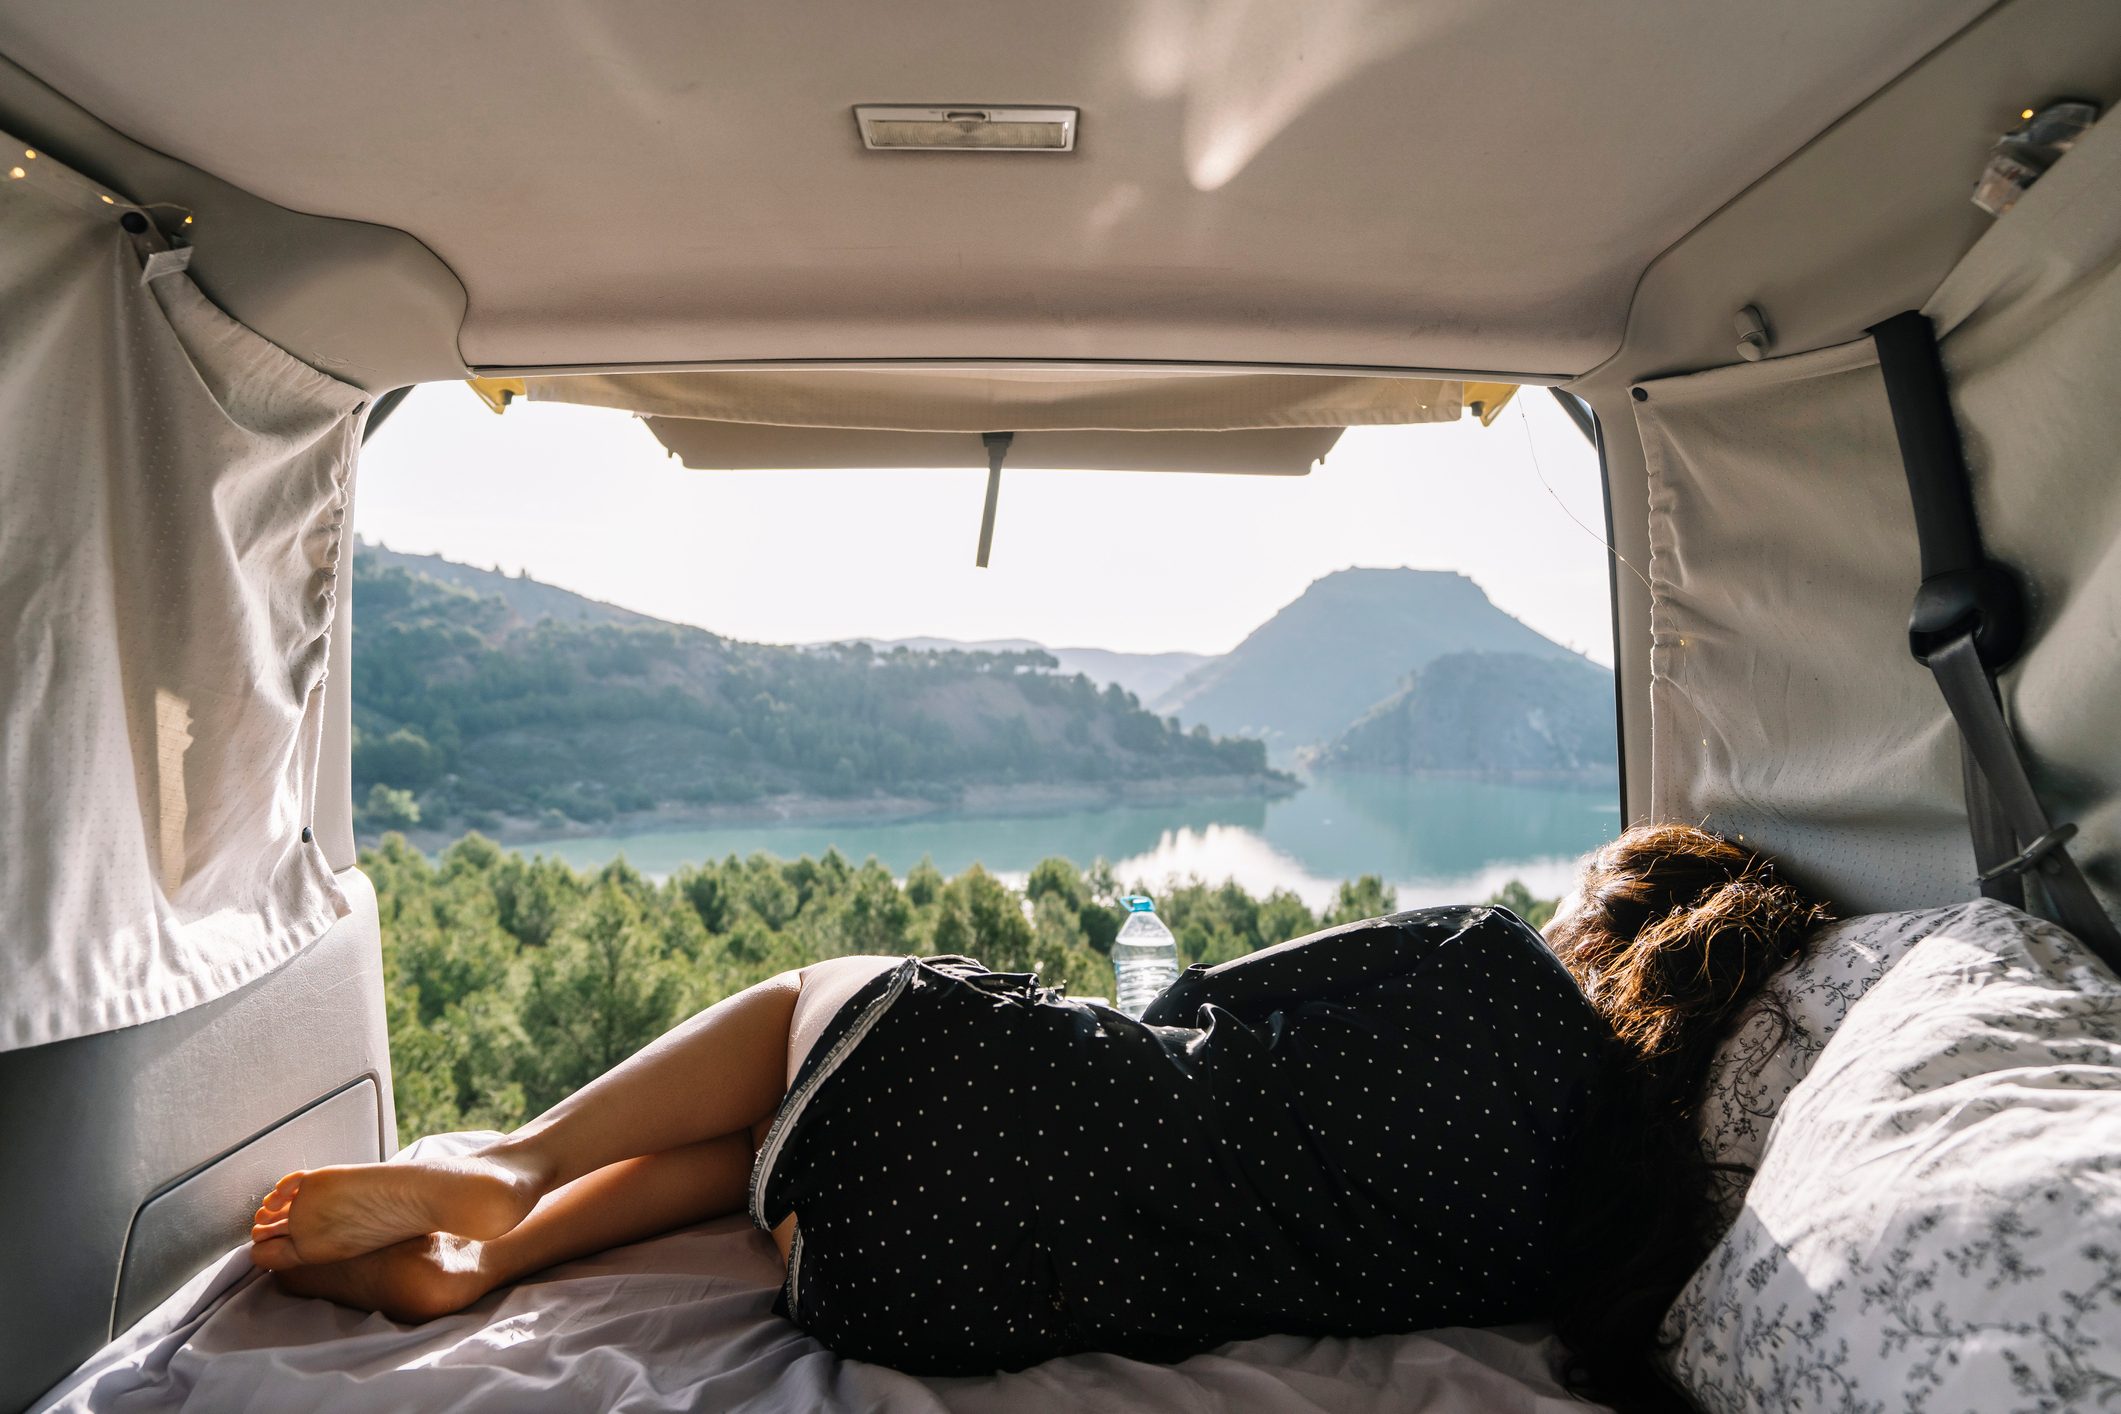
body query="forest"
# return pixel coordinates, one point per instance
(512, 981)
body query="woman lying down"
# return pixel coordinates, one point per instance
(1437, 1118)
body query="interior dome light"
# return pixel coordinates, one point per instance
(965, 127)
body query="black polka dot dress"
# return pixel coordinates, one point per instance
(1358, 1132)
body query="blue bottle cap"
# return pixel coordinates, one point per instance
(1139, 903)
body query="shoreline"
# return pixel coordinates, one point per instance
(975, 802)
(1585, 776)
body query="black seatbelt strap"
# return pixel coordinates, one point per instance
(1971, 694)
(1968, 624)
(1994, 839)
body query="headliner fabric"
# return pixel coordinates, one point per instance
(1783, 563)
(1449, 184)
(685, 1322)
(1011, 400)
(172, 492)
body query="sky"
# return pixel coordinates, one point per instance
(586, 499)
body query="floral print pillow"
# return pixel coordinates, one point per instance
(1760, 1064)
(1936, 1221)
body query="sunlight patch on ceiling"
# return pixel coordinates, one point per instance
(1231, 65)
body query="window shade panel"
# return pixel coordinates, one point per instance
(172, 493)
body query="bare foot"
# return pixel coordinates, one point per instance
(414, 1280)
(330, 1214)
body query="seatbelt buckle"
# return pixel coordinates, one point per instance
(2033, 855)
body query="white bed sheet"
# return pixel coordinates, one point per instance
(685, 1322)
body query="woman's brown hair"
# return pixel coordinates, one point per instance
(1672, 934)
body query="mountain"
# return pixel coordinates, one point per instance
(500, 703)
(1146, 675)
(1342, 647)
(1487, 714)
(529, 600)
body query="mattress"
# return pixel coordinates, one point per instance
(685, 1322)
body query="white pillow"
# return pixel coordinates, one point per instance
(1936, 1223)
(1752, 1075)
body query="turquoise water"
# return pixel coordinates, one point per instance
(1435, 841)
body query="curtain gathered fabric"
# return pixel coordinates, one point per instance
(1784, 703)
(173, 489)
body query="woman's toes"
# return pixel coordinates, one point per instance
(260, 1232)
(346, 1210)
(274, 1254)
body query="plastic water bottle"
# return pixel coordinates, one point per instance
(1144, 955)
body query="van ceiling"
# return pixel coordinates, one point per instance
(1450, 184)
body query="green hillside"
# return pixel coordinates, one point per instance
(1343, 647)
(527, 599)
(530, 708)
(1487, 714)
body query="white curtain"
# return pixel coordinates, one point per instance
(173, 489)
(1783, 562)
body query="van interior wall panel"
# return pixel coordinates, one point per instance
(369, 305)
(1784, 558)
(99, 1128)
(186, 1224)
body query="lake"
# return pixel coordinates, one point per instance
(1436, 841)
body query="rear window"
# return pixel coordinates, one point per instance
(631, 736)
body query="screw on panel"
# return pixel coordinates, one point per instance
(1753, 336)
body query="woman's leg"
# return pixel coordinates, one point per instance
(718, 1074)
(428, 1276)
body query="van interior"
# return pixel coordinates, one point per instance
(1831, 287)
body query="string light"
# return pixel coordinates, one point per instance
(29, 154)
(2026, 115)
